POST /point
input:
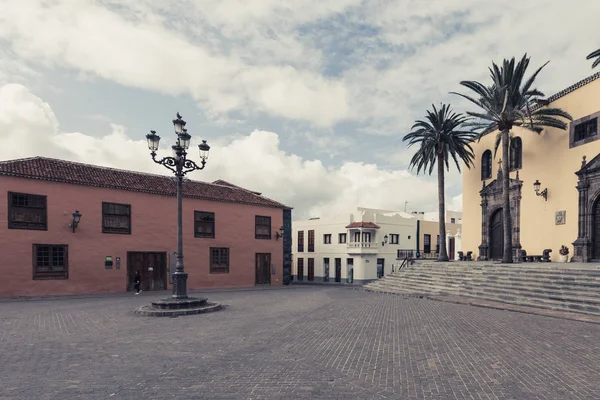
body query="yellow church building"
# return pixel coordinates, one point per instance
(554, 186)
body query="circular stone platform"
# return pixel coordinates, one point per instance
(176, 307)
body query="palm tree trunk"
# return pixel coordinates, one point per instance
(507, 256)
(443, 255)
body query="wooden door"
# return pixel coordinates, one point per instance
(380, 267)
(596, 231)
(301, 269)
(338, 269)
(496, 236)
(326, 270)
(350, 267)
(451, 247)
(263, 268)
(311, 269)
(426, 243)
(152, 267)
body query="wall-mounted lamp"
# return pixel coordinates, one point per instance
(543, 193)
(385, 240)
(279, 235)
(76, 219)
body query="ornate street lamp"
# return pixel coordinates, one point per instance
(180, 165)
(537, 186)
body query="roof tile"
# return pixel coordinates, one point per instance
(369, 225)
(55, 170)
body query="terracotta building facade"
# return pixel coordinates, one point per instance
(231, 236)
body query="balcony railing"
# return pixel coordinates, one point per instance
(370, 245)
(362, 247)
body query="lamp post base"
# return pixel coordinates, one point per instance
(180, 285)
(172, 307)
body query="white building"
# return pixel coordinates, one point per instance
(366, 241)
(452, 217)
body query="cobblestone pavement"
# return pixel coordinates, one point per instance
(293, 343)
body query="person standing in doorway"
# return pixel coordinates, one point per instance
(137, 280)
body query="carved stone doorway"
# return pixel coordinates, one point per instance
(596, 231)
(492, 229)
(587, 245)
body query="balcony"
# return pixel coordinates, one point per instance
(363, 247)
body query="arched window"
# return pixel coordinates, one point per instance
(486, 165)
(516, 153)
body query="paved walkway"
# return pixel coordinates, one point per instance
(308, 342)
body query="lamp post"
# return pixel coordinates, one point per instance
(180, 165)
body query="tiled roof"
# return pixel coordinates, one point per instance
(370, 225)
(225, 183)
(570, 89)
(50, 169)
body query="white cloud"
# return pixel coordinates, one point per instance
(442, 42)
(92, 39)
(258, 58)
(455, 203)
(268, 58)
(30, 128)
(14, 70)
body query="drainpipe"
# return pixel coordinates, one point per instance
(418, 237)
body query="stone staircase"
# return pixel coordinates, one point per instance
(559, 287)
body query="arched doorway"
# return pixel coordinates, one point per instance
(596, 231)
(492, 216)
(496, 235)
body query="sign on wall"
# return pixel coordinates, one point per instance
(560, 218)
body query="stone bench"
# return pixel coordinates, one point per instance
(544, 257)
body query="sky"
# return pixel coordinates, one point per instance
(306, 101)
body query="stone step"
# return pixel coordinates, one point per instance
(558, 305)
(550, 286)
(582, 281)
(527, 295)
(523, 266)
(532, 274)
(583, 287)
(431, 287)
(550, 305)
(516, 290)
(539, 268)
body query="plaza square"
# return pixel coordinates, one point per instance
(297, 342)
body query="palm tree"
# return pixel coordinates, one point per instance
(596, 55)
(440, 138)
(511, 101)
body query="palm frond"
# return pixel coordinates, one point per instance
(596, 55)
(441, 133)
(508, 101)
(527, 86)
(553, 112)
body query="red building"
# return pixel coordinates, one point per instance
(129, 222)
